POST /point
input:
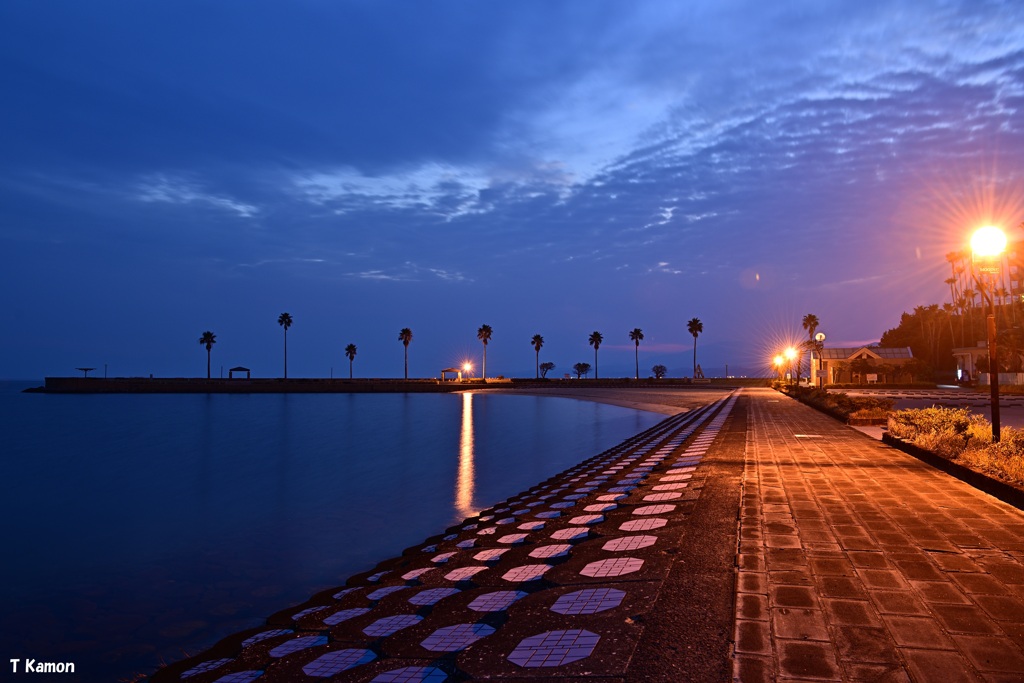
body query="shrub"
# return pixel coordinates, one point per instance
(958, 435)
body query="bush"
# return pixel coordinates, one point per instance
(965, 438)
(840, 405)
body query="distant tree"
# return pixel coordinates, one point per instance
(545, 368)
(659, 371)
(810, 323)
(694, 327)
(405, 336)
(285, 321)
(537, 341)
(582, 369)
(208, 340)
(484, 335)
(350, 353)
(636, 336)
(861, 367)
(595, 341)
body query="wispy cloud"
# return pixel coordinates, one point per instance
(170, 190)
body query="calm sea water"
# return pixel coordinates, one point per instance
(136, 527)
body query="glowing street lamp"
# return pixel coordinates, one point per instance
(987, 245)
(467, 368)
(790, 355)
(779, 362)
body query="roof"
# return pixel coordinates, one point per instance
(239, 369)
(901, 353)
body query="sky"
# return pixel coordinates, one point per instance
(552, 167)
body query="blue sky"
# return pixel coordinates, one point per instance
(552, 167)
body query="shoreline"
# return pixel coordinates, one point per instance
(196, 385)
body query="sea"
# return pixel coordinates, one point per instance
(139, 529)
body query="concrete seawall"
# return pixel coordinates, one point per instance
(190, 385)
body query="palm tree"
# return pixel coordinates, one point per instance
(405, 336)
(537, 341)
(208, 340)
(636, 336)
(595, 341)
(350, 353)
(285, 321)
(810, 323)
(694, 327)
(484, 335)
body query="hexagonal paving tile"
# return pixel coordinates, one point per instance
(389, 625)
(490, 555)
(240, 677)
(512, 539)
(468, 543)
(206, 666)
(260, 637)
(296, 644)
(432, 595)
(550, 514)
(338, 661)
(382, 592)
(345, 614)
(555, 550)
(455, 638)
(671, 487)
(570, 533)
(442, 558)
(463, 573)
(643, 524)
(614, 567)
(495, 601)
(554, 648)
(587, 519)
(654, 509)
(600, 507)
(412, 674)
(659, 497)
(531, 526)
(416, 573)
(589, 601)
(526, 572)
(629, 543)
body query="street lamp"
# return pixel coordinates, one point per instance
(779, 361)
(790, 355)
(987, 245)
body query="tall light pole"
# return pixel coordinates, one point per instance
(791, 355)
(987, 245)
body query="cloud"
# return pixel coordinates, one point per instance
(165, 189)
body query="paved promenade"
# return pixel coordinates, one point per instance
(754, 539)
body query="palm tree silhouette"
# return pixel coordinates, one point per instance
(484, 335)
(810, 323)
(208, 340)
(636, 336)
(405, 336)
(285, 321)
(595, 341)
(694, 327)
(350, 353)
(537, 341)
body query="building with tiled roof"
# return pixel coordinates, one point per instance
(847, 365)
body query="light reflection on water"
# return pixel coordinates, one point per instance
(147, 525)
(464, 484)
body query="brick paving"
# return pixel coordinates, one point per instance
(754, 539)
(859, 563)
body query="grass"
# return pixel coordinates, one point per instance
(964, 438)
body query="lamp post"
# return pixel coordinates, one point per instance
(790, 355)
(987, 245)
(779, 361)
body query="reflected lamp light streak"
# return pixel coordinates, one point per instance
(465, 482)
